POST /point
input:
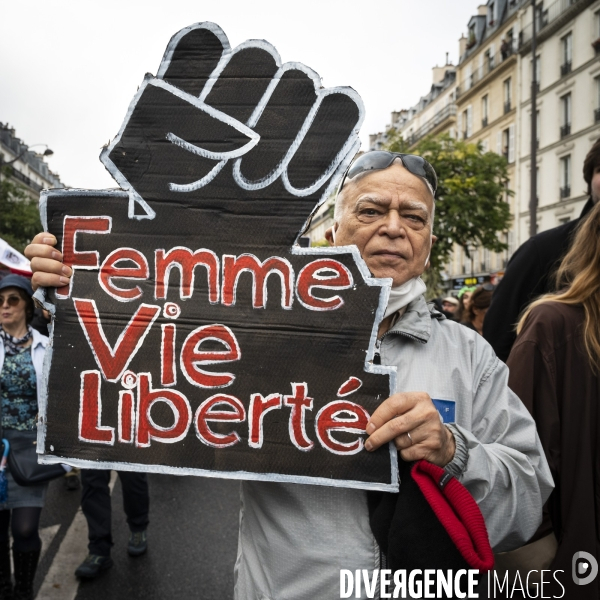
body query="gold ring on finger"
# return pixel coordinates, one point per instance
(410, 438)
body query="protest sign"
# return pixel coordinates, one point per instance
(197, 336)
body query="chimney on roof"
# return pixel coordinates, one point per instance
(482, 9)
(438, 74)
(462, 45)
(447, 63)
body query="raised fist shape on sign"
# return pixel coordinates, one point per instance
(241, 111)
(199, 337)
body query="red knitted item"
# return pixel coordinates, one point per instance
(458, 512)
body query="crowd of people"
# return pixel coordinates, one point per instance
(524, 436)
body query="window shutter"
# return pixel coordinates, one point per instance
(459, 123)
(511, 143)
(469, 121)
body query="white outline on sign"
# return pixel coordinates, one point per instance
(351, 145)
(342, 160)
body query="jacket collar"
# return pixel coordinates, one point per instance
(39, 339)
(416, 321)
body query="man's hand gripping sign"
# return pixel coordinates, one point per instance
(195, 336)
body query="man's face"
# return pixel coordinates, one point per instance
(448, 306)
(596, 185)
(387, 214)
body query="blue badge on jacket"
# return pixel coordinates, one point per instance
(446, 408)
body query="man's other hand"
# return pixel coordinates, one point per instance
(46, 262)
(411, 420)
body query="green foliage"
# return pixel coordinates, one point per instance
(319, 244)
(19, 214)
(470, 208)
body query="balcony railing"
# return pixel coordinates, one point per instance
(596, 115)
(536, 85)
(26, 180)
(546, 17)
(507, 106)
(488, 66)
(446, 112)
(565, 192)
(565, 130)
(565, 68)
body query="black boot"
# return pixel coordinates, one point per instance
(6, 589)
(25, 568)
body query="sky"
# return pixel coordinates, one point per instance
(69, 68)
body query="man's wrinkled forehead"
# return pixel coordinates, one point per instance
(380, 186)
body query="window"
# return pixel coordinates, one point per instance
(507, 95)
(468, 122)
(506, 46)
(471, 38)
(469, 76)
(565, 176)
(567, 54)
(506, 143)
(565, 110)
(491, 13)
(484, 111)
(564, 220)
(488, 60)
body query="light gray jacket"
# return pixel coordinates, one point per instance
(294, 539)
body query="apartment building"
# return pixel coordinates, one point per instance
(28, 168)
(434, 113)
(567, 78)
(489, 101)
(486, 104)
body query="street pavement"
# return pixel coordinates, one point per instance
(192, 542)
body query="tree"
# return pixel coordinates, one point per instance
(470, 208)
(19, 214)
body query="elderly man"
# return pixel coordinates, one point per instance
(294, 539)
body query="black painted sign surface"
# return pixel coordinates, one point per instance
(197, 336)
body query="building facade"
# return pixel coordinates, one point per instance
(567, 78)
(27, 168)
(486, 105)
(489, 102)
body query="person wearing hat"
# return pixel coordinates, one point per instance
(294, 539)
(450, 304)
(22, 351)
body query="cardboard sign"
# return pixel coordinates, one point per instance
(196, 336)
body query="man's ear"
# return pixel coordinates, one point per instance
(433, 239)
(330, 234)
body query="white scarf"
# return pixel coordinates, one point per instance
(404, 294)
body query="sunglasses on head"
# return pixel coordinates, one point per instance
(382, 159)
(11, 300)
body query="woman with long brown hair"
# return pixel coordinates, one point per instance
(554, 369)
